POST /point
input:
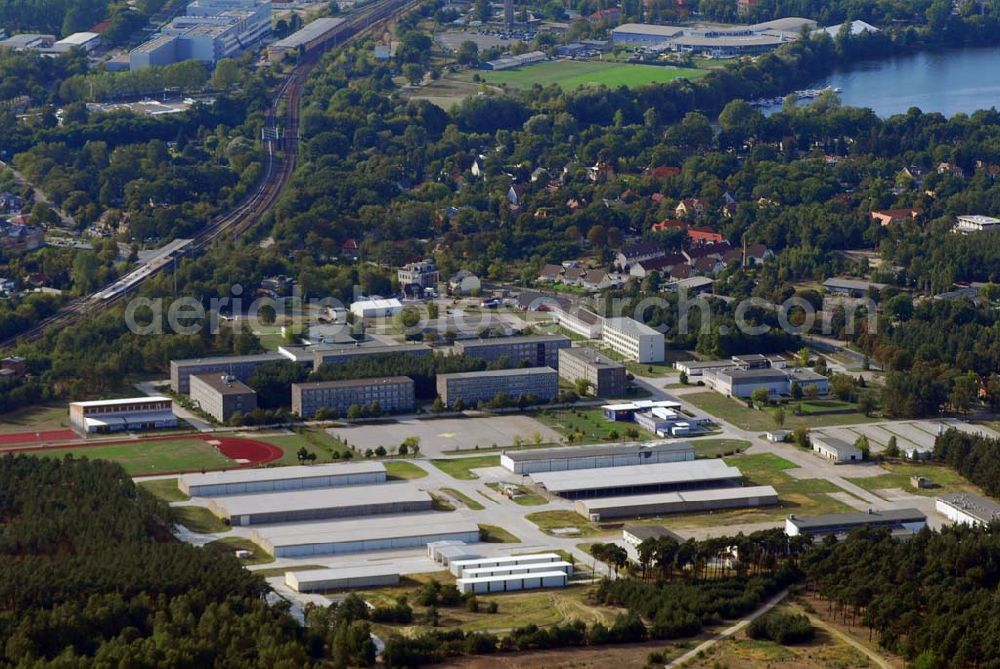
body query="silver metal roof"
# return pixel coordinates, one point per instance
(597, 451)
(311, 31)
(320, 498)
(678, 497)
(282, 473)
(303, 576)
(366, 529)
(636, 475)
(859, 518)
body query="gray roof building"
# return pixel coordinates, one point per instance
(911, 520)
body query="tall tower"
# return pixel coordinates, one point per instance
(508, 15)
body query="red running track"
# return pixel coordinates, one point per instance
(257, 452)
(37, 437)
(254, 452)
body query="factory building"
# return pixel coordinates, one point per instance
(532, 350)
(238, 366)
(221, 395)
(368, 534)
(902, 522)
(595, 457)
(134, 413)
(342, 578)
(541, 383)
(634, 340)
(968, 509)
(606, 377)
(640, 479)
(339, 355)
(688, 501)
(320, 504)
(209, 31)
(281, 479)
(393, 394)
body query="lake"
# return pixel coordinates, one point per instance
(949, 82)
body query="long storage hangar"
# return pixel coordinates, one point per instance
(458, 567)
(595, 457)
(306, 505)
(341, 578)
(640, 479)
(512, 582)
(519, 569)
(368, 534)
(278, 479)
(634, 506)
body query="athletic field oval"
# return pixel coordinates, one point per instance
(169, 455)
(573, 74)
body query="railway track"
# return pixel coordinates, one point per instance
(282, 157)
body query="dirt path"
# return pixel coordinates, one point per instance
(848, 639)
(731, 630)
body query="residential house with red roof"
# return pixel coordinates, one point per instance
(703, 235)
(669, 224)
(888, 217)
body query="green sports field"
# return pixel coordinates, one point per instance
(572, 74)
(149, 457)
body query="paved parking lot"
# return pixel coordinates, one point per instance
(444, 435)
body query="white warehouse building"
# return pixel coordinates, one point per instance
(411, 530)
(634, 340)
(967, 509)
(281, 479)
(341, 578)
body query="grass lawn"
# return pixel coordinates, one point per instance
(554, 520)
(164, 489)
(652, 369)
(313, 440)
(232, 544)
(526, 498)
(588, 425)
(466, 500)
(570, 75)
(713, 448)
(494, 534)
(198, 519)
(36, 418)
(400, 469)
(514, 609)
(736, 413)
(441, 503)
(820, 406)
(149, 457)
(898, 476)
(460, 468)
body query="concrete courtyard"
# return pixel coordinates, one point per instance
(447, 435)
